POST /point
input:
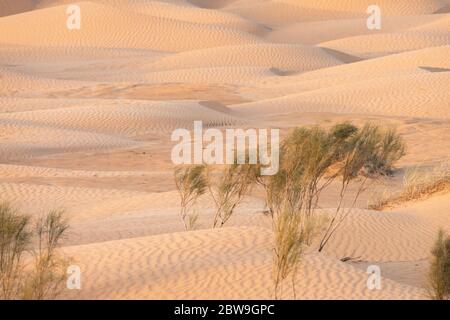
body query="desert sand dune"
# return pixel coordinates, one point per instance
(389, 96)
(86, 118)
(126, 118)
(407, 63)
(135, 30)
(289, 11)
(289, 58)
(320, 31)
(373, 45)
(175, 268)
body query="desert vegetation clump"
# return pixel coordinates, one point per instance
(21, 242)
(191, 183)
(418, 183)
(439, 274)
(228, 188)
(311, 159)
(227, 185)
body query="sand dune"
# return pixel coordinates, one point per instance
(134, 31)
(389, 96)
(409, 63)
(374, 45)
(154, 269)
(289, 11)
(319, 31)
(288, 58)
(86, 118)
(122, 117)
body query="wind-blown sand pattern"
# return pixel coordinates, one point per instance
(86, 117)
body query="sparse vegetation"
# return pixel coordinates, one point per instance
(191, 184)
(439, 274)
(42, 279)
(228, 189)
(15, 240)
(311, 159)
(417, 183)
(366, 154)
(227, 185)
(49, 271)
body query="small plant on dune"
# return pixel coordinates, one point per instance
(292, 194)
(290, 241)
(389, 148)
(310, 160)
(15, 239)
(228, 187)
(417, 183)
(191, 184)
(43, 279)
(439, 274)
(366, 155)
(49, 273)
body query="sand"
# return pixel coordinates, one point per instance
(86, 117)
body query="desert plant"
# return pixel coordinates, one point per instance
(306, 158)
(191, 184)
(228, 187)
(439, 274)
(390, 148)
(15, 239)
(418, 182)
(43, 278)
(289, 243)
(368, 154)
(49, 271)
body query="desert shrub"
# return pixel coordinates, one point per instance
(191, 183)
(310, 160)
(15, 240)
(228, 187)
(49, 273)
(289, 243)
(389, 149)
(42, 279)
(368, 153)
(306, 157)
(439, 274)
(417, 183)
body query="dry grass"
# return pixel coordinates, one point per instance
(310, 160)
(191, 183)
(228, 188)
(439, 274)
(45, 277)
(15, 240)
(418, 183)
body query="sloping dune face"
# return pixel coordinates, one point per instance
(87, 117)
(290, 11)
(47, 27)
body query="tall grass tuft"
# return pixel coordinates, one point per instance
(20, 240)
(191, 183)
(367, 154)
(15, 240)
(310, 160)
(439, 274)
(45, 281)
(417, 183)
(228, 187)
